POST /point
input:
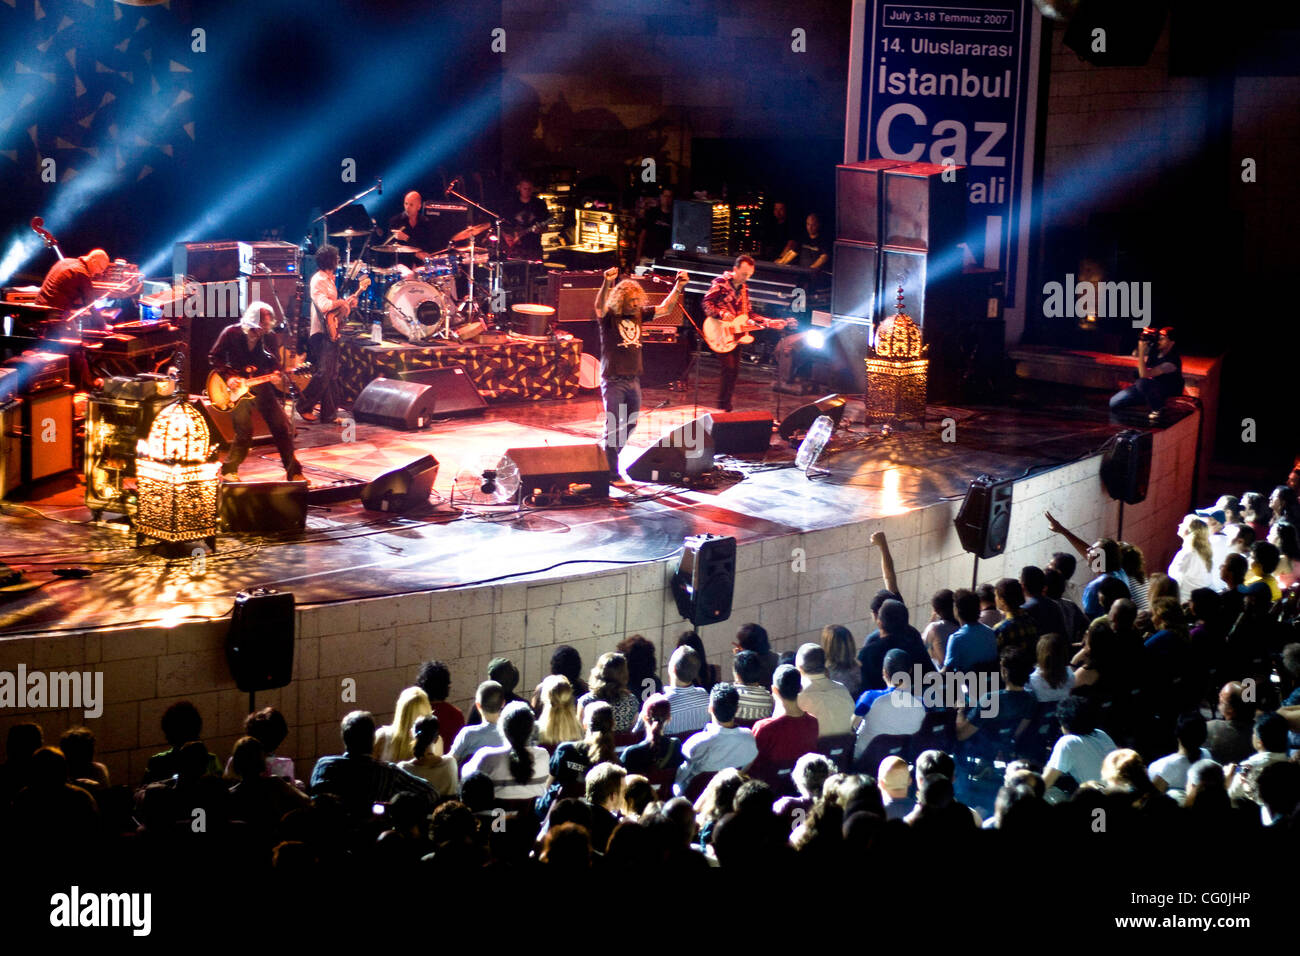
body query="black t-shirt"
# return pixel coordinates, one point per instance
(231, 355)
(421, 235)
(658, 228)
(620, 343)
(775, 237)
(1171, 383)
(872, 655)
(810, 250)
(521, 215)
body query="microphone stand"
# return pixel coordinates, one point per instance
(325, 216)
(473, 306)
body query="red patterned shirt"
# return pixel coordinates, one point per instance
(724, 301)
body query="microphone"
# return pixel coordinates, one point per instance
(381, 186)
(451, 188)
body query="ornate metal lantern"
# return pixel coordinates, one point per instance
(897, 370)
(177, 481)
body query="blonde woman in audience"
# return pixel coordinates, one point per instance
(1193, 565)
(559, 720)
(395, 742)
(428, 760)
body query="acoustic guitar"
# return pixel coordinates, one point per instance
(723, 335)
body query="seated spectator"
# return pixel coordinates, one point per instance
(517, 769)
(572, 760)
(1082, 746)
(503, 671)
(1230, 505)
(642, 669)
(1097, 665)
(811, 771)
(1054, 588)
(1264, 559)
(457, 841)
(938, 814)
(658, 752)
(1193, 565)
(1011, 706)
(1206, 792)
(1169, 773)
(785, 737)
(567, 848)
(1133, 563)
(558, 722)
(609, 679)
(753, 637)
(895, 782)
(1284, 505)
(1214, 519)
(356, 777)
(1103, 553)
(269, 728)
(972, 643)
(673, 830)
(990, 616)
(1052, 679)
(435, 680)
(1251, 642)
(181, 723)
(719, 745)
(1017, 628)
(933, 763)
(1285, 536)
(1168, 651)
(1017, 808)
(1255, 509)
(943, 622)
(717, 800)
(1269, 741)
(752, 836)
(708, 672)
(841, 658)
(1243, 542)
(257, 796)
(1230, 738)
(1044, 612)
(165, 805)
(690, 702)
(565, 662)
(894, 633)
(897, 711)
(78, 746)
(1122, 771)
(638, 794)
(1278, 793)
(606, 795)
(50, 814)
(755, 700)
(822, 697)
(22, 740)
(489, 699)
(427, 759)
(1066, 564)
(395, 742)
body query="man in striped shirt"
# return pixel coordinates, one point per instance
(690, 703)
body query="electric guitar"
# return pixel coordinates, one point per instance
(723, 335)
(225, 394)
(512, 236)
(342, 308)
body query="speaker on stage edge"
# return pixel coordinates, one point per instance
(705, 581)
(1126, 465)
(262, 507)
(985, 516)
(259, 644)
(741, 433)
(568, 469)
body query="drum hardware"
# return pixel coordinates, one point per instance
(349, 234)
(324, 218)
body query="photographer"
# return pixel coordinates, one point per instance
(1160, 374)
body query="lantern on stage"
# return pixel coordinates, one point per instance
(897, 370)
(175, 478)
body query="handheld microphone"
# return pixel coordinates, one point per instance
(381, 186)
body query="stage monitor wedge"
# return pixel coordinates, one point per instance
(453, 390)
(682, 453)
(797, 423)
(403, 489)
(985, 516)
(567, 469)
(741, 433)
(393, 403)
(262, 507)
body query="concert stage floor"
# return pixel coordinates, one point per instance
(348, 553)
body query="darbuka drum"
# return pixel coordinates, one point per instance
(532, 320)
(418, 309)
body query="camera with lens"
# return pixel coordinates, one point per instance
(1149, 334)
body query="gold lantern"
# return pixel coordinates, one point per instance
(897, 370)
(177, 482)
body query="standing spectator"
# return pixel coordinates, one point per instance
(642, 668)
(1192, 566)
(504, 672)
(1102, 554)
(1052, 679)
(822, 697)
(1082, 747)
(755, 700)
(1017, 628)
(489, 699)
(559, 721)
(395, 742)
(1230, 505)
(1264, 558)
(517, 770)
(784, 738)
(1214, 519)
(690, 703)
(1045, 613)
(567, 662)
(943, 621)
(972, 643)
(841, 658)
(1066, 564)
(427, 759)
(435, 680)
(1284, 505)
(609, 679)
(1071, 613)
(719, 745)
(753, 637)
(895, 633)
(1255, 509)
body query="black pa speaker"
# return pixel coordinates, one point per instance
(262, 507)
(857, 199)
(568, 469)
(402, 489)
(1126, 466)
(259, 644)
(453, 390)
(395, 404)
(985, 516)
(741, 433)
(855, 286)
(681, 453)
(800, 420)
(705, 580)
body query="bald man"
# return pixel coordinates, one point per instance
(411, 227)
(68, 285)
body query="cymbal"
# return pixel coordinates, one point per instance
(470, 231)
(349, 233)
(396, 250)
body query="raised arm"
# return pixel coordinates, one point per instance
(1079, 544)
(886, 562)
(665, 308)
(610, 275)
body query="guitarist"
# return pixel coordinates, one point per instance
(328, 312)
(525, 217)
(247, 350)
(727, 298)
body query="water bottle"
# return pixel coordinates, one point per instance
(376, 331)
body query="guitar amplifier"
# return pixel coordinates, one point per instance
(38, 371)
(278, 257)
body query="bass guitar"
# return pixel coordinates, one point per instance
(512, 236)
(225, 394)
(723, 335)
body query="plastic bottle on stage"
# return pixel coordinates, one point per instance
(377, 332)
(814, 442)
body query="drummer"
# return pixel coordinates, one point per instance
(411, 227)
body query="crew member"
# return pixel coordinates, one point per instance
(656, 232)
(621, 314)
(247, 349)
(526, 216)
(810, 251)
(69, 286)
(778, 236)
(411, 227)
(727, 298)
(1160, 374)
(328, 312)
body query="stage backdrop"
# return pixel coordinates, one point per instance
(955, 80)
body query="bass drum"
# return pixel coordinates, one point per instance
(417, 309)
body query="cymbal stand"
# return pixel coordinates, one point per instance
(473, 306)
(325, 216)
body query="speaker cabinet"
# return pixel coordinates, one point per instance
(693, 226)
(206, 261)
(406, 406)
(741, 433)
(682, 453)
(262, 507)
(985, 516)
(857, 199)
(797, 423)
(1126, 466)
(47, 433)
(854, 288)
(453, 390)
(259, 644)
(705, 580)
(544, 469)
(403, 489)
(922, 210)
